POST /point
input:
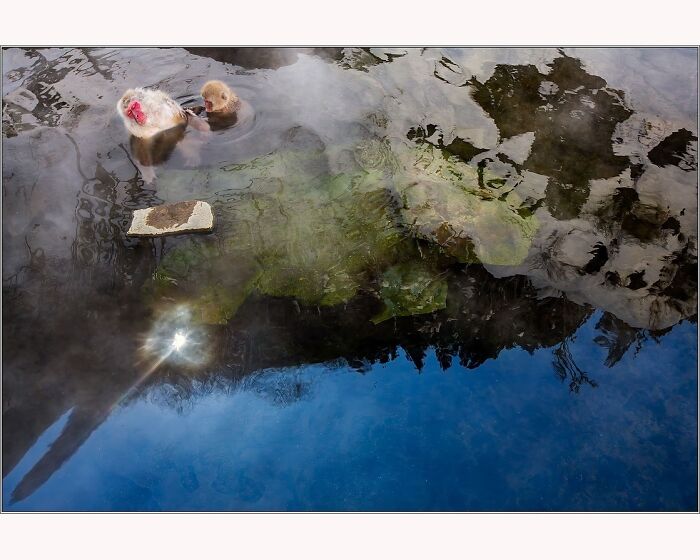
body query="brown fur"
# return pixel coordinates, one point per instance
(223, 99)
(158, 148)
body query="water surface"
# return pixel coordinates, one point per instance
(440, 280)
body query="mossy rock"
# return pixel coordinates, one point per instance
(411, 288)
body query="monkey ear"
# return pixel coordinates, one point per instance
(223, 96)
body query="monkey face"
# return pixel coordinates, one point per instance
(133, 111)
(130, 107)
(217, 97)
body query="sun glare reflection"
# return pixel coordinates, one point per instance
(179, 340)
(175, 339)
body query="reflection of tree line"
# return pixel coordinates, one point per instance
(485, 316)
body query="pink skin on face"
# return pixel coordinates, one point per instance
(133, 111)
(208, 105)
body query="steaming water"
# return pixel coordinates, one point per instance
(330, 346)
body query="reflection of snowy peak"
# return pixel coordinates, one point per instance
(614, 190)
(648, 285)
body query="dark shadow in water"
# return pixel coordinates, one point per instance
(252, 58)
(676, 149)
(249, 58)
(77, 366)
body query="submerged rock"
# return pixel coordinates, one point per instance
(470, 214)
(291, 227)
(190, 216)
(466, 226)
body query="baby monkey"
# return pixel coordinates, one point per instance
(219, 98)
(221, 104)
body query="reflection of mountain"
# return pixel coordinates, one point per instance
(573, 115)
(628, 251)
(614, 230)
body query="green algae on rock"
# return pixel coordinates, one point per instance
(298, 231)
(411, 288)
(199, 274)
(317, 245)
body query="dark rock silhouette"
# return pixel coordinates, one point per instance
(675, 149)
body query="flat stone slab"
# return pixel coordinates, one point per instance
(189, 216)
